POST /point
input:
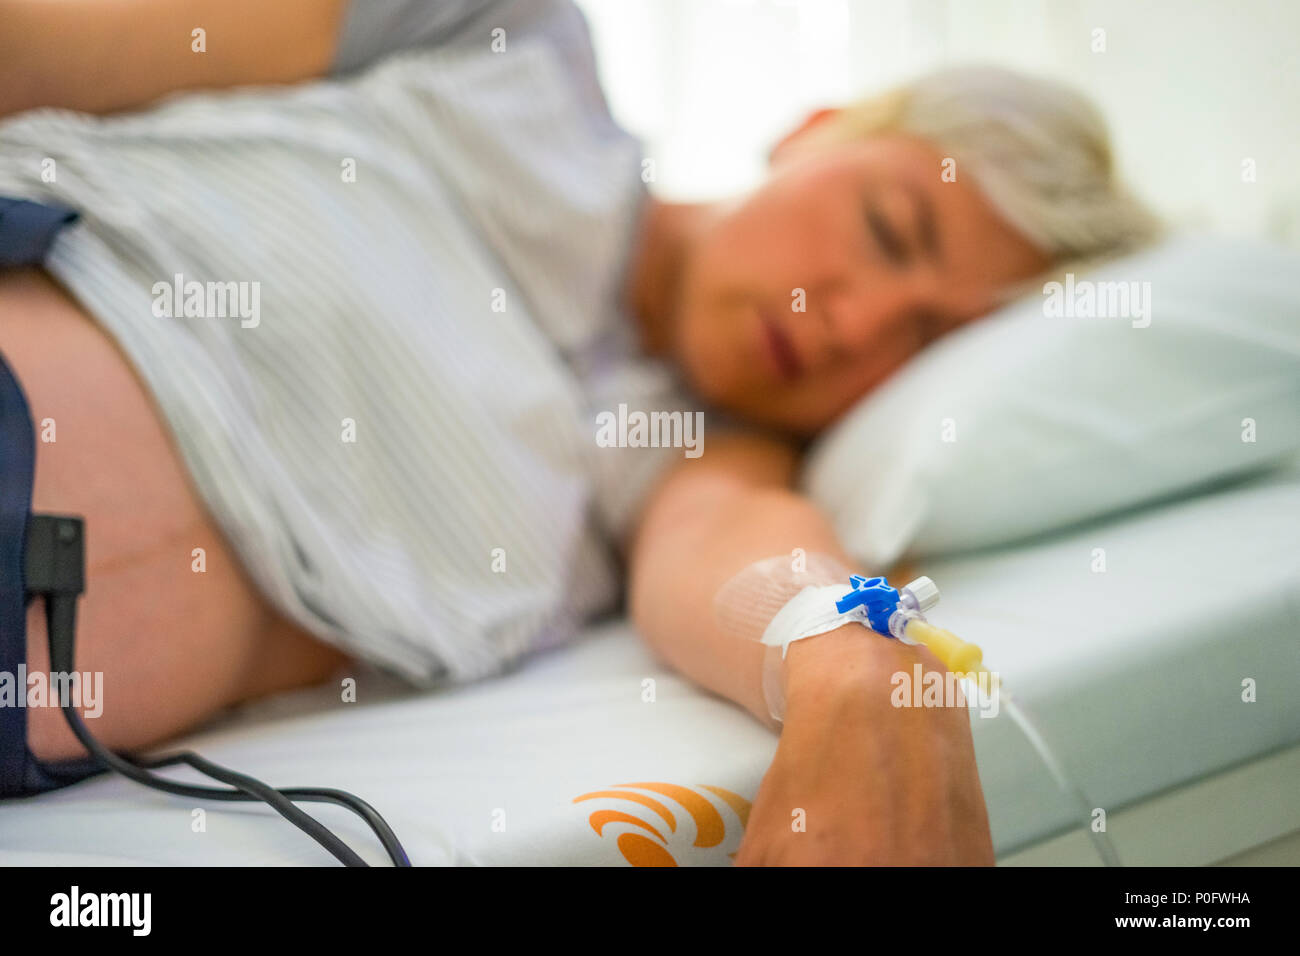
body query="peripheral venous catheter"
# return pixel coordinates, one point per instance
(900, 613)
(778, 601)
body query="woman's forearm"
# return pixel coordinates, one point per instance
(869, 782)
(103, 55)
(707, 522)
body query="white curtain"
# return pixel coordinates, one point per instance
(1193, 88)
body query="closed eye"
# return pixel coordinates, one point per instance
(886, 236)
(902, 244)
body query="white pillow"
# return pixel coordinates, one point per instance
(1029, 420)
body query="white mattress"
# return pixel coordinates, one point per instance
(1135, 674)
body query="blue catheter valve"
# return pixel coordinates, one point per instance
(876, 598)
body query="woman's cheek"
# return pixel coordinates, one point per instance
(705, 355)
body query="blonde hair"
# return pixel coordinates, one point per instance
(1036, 149)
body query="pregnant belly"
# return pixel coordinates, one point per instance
(169, 618)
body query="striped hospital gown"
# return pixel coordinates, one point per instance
(386, 393)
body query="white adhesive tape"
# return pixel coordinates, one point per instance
(810, 612)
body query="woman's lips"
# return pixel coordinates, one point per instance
(780, 346)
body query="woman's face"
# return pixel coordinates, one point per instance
(848, 261)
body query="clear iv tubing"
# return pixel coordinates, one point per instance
(908, 625)
(1100, 840)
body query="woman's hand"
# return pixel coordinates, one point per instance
(858, 781)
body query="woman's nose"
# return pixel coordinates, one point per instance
(852, 324)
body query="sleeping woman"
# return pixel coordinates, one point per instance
(318, 347)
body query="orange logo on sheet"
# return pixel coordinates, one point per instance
(652, 847)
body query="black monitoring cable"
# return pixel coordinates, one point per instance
(55, 569)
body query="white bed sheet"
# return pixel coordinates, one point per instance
(1134, 673)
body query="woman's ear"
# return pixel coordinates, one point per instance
(812, 121)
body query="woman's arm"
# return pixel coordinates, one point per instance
(875, 783)
(103, 55)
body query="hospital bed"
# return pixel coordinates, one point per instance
(597, 754)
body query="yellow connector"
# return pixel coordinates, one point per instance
(957, 655)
